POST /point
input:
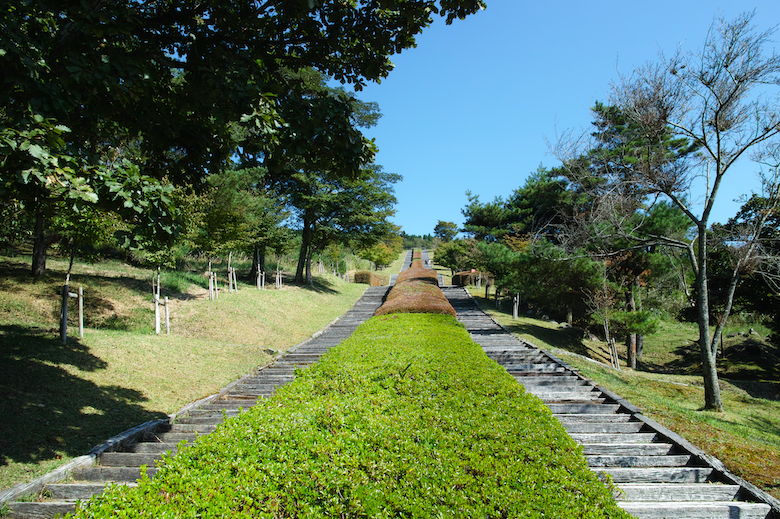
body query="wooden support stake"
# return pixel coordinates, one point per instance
(156, 295)
(167, 318)
(81, 312)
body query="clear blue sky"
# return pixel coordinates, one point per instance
(471, 106)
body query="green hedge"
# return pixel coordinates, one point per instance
(407, 418)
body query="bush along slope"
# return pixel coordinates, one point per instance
(416, 290)
(367, 278)
(407, 418)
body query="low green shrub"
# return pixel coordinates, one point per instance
(407, 418)
(367, 278)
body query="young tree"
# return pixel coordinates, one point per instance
(456, 255)
(343, 210)
(445, 231)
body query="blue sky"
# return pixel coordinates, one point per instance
(473, 105)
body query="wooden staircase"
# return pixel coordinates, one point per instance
(656, 473)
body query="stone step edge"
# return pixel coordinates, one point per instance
(81, 462)
(747, 489)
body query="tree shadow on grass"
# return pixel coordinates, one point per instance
(47, 410)
(567, 339)
(322, 285)
(768, 390)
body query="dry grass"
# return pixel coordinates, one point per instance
(416, 290)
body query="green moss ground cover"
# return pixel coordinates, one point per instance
(407, 418)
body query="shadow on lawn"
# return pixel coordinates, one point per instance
(48, 411)
(322, 285)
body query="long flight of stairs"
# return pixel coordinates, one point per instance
(194, 421)
(656, 473)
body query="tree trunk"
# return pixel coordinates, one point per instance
(309, 279)
(39, 246)
(258, 262)
(306, 239)
(631, 338)
(712, 398)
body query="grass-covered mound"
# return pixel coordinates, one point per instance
(407, 418)
(416, 290)
(367, 278)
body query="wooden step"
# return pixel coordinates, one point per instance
(656, 475)
(218, 405)
(552, 380)
(583, 408)
(594, 418)
(570, 398)
(128, 459)
(61, 491)
(150, 447)
(626, 449)
(171, 437)
(585, 438)
(204, 419)
(192, 428)
(675, 460)
(40, 509)
(539, 390)
(698, 510)
(610, 428)
(113, 474)
(676, 492)
(547, 367)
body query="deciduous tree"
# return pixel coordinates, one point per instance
(724, 101)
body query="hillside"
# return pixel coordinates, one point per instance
(61, 400)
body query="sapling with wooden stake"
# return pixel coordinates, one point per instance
(156, 296)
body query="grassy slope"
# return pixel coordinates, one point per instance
(60, 400)
(406, 418)
(746, 437)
